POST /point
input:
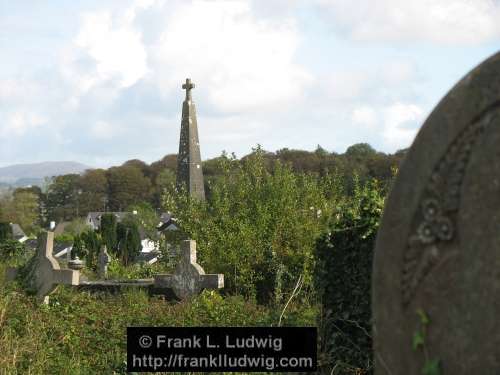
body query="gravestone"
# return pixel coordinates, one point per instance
(43, 273)
(103, 261)
(189, 278)
(436, 278)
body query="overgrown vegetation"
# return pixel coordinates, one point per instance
(290, 228)
(344, 258)
(82, 333)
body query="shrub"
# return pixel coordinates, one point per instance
(129, 241)
(5, 231)
(108, 231)
(258, 226)
(343, 279)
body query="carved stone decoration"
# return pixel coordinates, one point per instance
(434, 224)
(438, 247)
(189, 278)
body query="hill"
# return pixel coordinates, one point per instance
(34, 173)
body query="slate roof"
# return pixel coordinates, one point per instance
(17, 231)
(167, 222)
(96, 216)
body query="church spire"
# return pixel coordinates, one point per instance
(189, 171)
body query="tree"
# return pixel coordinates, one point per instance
(26, 210)
(22, 208)
(108, 231)
(129, 241)
(127, 186)
(5, 232)
(257, 227)
(93, 185)
(62, 197)
(91, 246)
(146, 218)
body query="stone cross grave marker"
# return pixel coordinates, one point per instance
(436, 278)
(189, 278)
(103, 262)
(45, 274)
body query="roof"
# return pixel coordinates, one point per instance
(167, 222)
(17, 231)
(96, 216)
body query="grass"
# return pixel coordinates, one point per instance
(85, 333)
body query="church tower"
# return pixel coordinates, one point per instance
(189, 170)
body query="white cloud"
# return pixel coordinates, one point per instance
(247, 63)
(438, 21)
(19, 123)
(106, 49)
(365, 115)
(102, 130)
(401, 122)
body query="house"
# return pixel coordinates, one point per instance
(94, 218)
(167, 222)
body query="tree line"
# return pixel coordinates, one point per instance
(71, 196)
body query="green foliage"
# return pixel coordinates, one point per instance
(127, 185)
(257, 227)
(343, 276)
(146, 218)
(76, 227)
(23, 209)
(90, 250)
(83, 333)
(129, 241)
(108, 231)
(5, 232)
(64, 238)
(12, 251)
(78, 247)
(432, 366)
(62, 197)
(93, 185)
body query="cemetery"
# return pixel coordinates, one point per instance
(399, 274)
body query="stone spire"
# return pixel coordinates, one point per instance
(189, 171)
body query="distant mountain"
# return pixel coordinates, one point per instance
(34, 174)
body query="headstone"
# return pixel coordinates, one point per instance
(44, 273)
(436, 279)
(189, 278)
(103, 262)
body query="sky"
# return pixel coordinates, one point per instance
(99, 81)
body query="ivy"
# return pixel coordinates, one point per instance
(344, 257)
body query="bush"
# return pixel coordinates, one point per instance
(5, 231)
(258, 227)
(343, 280)
(12, 251)
(108, 231)
(90, 249)
(129, 241)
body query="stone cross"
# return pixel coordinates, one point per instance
(436, 274)
(188, 86)
(189, 278)
(103, 262)
(45, 274)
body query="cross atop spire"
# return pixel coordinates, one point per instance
(188, 86)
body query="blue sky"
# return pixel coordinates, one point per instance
(99, 82)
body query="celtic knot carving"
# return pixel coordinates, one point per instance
(433, 231)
